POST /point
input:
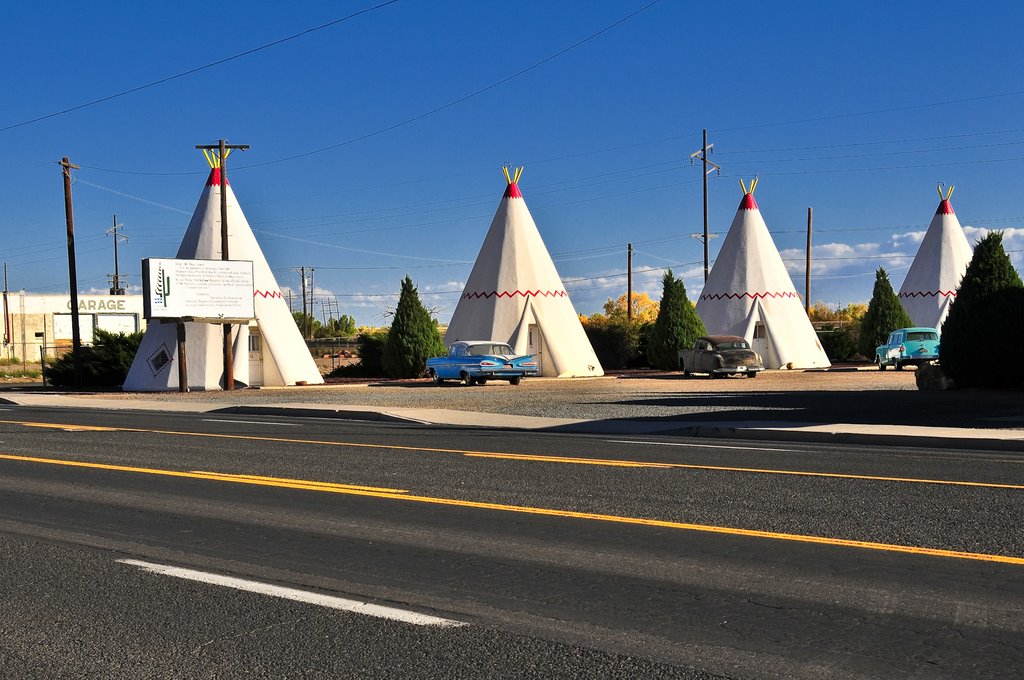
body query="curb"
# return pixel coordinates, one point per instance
(338, 413)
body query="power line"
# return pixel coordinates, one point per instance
(374, 133)
(463, 98)
(894, 109)
(197, 69)
(880, 153)
(875, 143)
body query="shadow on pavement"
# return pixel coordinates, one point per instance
(967, 408)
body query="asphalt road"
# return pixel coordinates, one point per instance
(663, 399)
(565, 556)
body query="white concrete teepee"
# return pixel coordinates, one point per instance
(749, 293)
(514, 295)
(283, 356)
(941, 261)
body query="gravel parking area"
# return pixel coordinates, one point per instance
(837, 396)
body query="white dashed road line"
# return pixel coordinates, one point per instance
(353, 606)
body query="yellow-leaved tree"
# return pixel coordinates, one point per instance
(645, 310)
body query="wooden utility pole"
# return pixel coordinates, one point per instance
(807, 289)
(704, 159)
(629, 281)
(69, 216)
(223, 150)
(702, 153)
(116, 288)
(312, 294)
(302, 271)
(7, 314)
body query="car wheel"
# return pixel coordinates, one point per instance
(751, 374)
(898, 366)
(682, 367)
(466, 379)
(481, 381)
(434, 377)
(878, 362)
(515, 380)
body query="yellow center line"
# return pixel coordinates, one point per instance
(326, 485)
(575, 460)
(71, 428)
(550, 512)
(725, 468)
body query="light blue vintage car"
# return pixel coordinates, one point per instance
(474, 362)
(908, 347)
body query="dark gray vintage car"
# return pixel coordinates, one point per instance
(720, 355)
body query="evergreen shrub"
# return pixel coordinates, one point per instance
(104, 364)
(885, 314)
(413, 337)
(677, 325)
(986, 317)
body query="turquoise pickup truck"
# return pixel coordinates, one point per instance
(477, 361)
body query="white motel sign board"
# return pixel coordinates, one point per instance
(199, 290)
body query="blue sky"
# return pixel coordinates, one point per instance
(855, 110)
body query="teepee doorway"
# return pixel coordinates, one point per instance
(759, 343)
(533, 346)
(255, 357)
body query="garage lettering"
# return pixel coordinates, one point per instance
(99, 305)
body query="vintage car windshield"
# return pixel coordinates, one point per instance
(733, 344)
(489, 349)
(922, 335)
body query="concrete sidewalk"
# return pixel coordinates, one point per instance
(996, 439)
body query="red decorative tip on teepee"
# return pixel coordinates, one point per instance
(748, 202)
(214, 179)
(945, 207)
(513, 182)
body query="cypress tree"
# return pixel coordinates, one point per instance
(885, 314)
(413, 337)
(988, 305)
(677, 325)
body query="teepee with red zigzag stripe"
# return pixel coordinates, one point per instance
(749, 293)
(281, 352)
(514, 295)
(941, 261)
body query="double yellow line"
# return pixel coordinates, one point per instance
(403, 495)
(537, 458)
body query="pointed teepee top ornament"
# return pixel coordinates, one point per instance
(748, 202)
(513, 182)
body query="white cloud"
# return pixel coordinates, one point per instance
(1013, 241)
(830, 259)
(908, 239)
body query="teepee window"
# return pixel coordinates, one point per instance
(759, 331)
